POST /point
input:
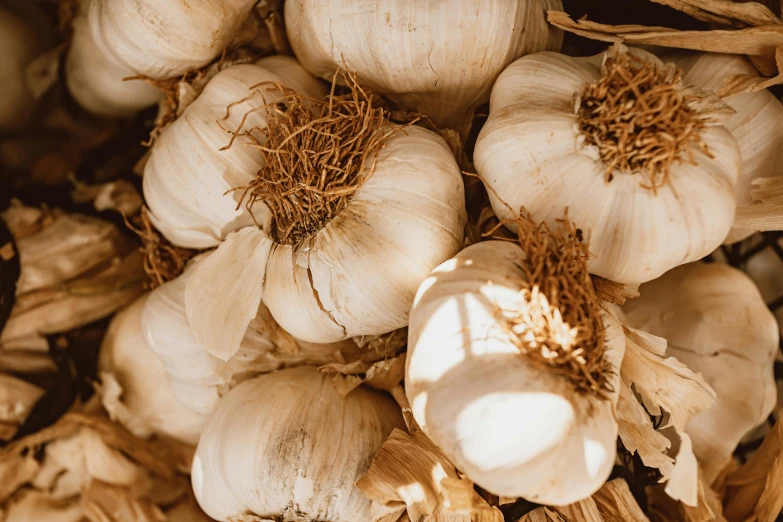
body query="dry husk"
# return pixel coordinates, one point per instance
(17, 397)
(74, 270)
(612, 503)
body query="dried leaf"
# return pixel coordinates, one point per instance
(725, 11)
(616, 503)
(103, 502)
(754, 492)
(411, 470)
(665, 384)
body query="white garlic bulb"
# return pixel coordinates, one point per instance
(21, 39)
(648, 200)
(135, 388)
(286, 446)
(716, 323)
(159, 39)
(188, 180)
(514, 426)
(197, 378)
(436, 57)
(757, 123)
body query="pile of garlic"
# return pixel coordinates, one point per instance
(337, 314)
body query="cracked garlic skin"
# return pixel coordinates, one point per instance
(514, 428)
(160, 39)
(531, 153)
(286, 446)
(146, 404)
(436, 57)
(21, 40)
(757, 123)
(715, 322)
(188, 181)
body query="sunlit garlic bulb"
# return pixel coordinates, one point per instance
(287, 446)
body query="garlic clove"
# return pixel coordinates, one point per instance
(294, 449)
(127, 366)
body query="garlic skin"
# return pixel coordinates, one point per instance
(189, 181)
(159, 39)
(530, 155)
(717, 323)
(21, 41)
(514, 428)
(146, 404)
(757, 123)
(435, 57)
(197, 378)
(286, 446)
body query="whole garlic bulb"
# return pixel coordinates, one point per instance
(159, 39)
(135, 389)
(436, 57)
(197, 378)
(757, 123)
(286, 446)
(514, 427)
(554, 139)
(716, 323)
(21, 39)
(188, 179)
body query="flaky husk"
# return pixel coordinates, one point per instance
(287, 446)
(74, 270)
(612, 503)
(717, 323)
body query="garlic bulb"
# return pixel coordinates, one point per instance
(21, 39)
(359, 211)
(757, 123)
(435, 57)
(188, 177)
(197, 378)
(160, 39)
(718, 325)
(135, 389)
(559, 136)
(478, 380)
(286, 446)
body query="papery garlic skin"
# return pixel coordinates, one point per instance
(514, 428)
(147, 404)
(286, 446)
(359, 274)
(757, 123)
(436, 57)
(197, 378)
(159, 39)
(189, 183)
(530, 155)
(716, 323)
(21, 40)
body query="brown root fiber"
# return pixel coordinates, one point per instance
(162, 260)
(561, 326)
(640, 118)
(317, 153)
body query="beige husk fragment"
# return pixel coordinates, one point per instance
(410, 472)
(766, 213)
(74, 270)
(17, 398)
(382, 375)
(104, 502)
(763, 43)
(612, 503)
(666, 387)
(754, 491)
